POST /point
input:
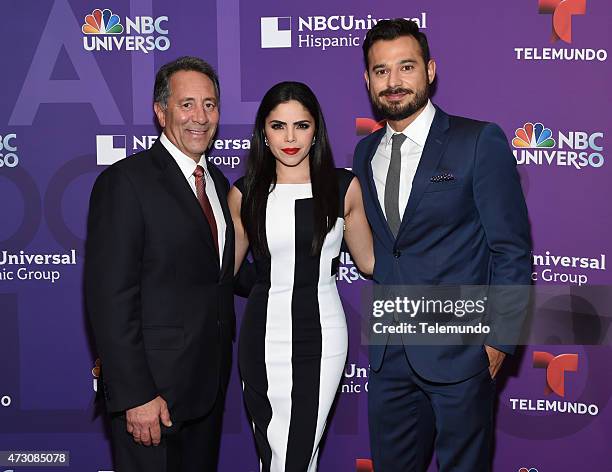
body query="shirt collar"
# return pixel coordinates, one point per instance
(416, 131)
(185, 163)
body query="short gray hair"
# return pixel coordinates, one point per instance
(161, 91)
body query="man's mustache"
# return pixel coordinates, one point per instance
(393, 91)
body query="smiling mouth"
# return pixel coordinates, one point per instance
(290, 151)
(395, 95)
(198, 132)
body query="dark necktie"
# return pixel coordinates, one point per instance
(200, 185)
(392, 184)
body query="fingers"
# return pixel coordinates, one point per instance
(143, 421)
(165, 416)
(135, 432)
(145, 434)
(145, 437)
(155, 432)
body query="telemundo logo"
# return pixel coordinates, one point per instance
(8, 150)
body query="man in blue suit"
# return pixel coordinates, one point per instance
(446, 207)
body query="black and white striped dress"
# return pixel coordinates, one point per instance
(293, 339)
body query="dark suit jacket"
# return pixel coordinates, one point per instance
(161, 308)
(470, 230)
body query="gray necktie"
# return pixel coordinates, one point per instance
(392, 184)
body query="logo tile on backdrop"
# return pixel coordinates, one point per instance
(111, 148)
(564, 14)
(552, 267)
(559, 394)
(102, 22)
(556, 367)
(320, 32)
(535, 144)
(8, 150)
(103, 31)
(276, 32)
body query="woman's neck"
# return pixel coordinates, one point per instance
(299, 174)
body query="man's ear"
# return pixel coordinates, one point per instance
(160, 112)
(431, 70)
(367, 79)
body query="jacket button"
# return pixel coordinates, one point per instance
(397, 254)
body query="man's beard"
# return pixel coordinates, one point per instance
(400, 112)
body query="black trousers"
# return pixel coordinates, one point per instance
(189, 446)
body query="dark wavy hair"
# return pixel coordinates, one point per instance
(260, 178)
(387, 30)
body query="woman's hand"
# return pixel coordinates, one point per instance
(357, 232)
(234, 200)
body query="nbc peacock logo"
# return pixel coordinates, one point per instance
(103, 30)
(102, 22)
(533, 136)
(534, 144)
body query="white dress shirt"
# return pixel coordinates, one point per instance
(188, 166)
(411, 151)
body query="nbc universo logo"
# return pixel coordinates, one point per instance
(562, 12)
(276, 32)
(555, 366)
(102, 22)
(110, 149)
(533, 136)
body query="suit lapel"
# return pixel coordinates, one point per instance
(176, 184)
(370, 152)
(433, 150)
(229, 226)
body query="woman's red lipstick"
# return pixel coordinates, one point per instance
(290, 151)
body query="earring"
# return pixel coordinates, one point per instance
(266, 141)
(313, 141)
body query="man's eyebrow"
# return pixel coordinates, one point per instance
(403, 61)
(186, 99)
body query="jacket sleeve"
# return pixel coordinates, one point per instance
(503, 214)
(114, 248)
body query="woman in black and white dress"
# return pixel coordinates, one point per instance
(293, 208)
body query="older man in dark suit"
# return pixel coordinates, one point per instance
(158, 282)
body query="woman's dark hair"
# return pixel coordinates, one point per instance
(260, 178)
(387, 30)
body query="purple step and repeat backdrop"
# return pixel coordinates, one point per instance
(76, 98)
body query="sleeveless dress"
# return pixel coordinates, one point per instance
(293, 338)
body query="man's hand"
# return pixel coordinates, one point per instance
(143, 421)
(495, 360)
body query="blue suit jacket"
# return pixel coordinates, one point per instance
(471, 230)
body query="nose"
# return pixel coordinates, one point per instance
(394, 79)
(290, 136)
(200, 115)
